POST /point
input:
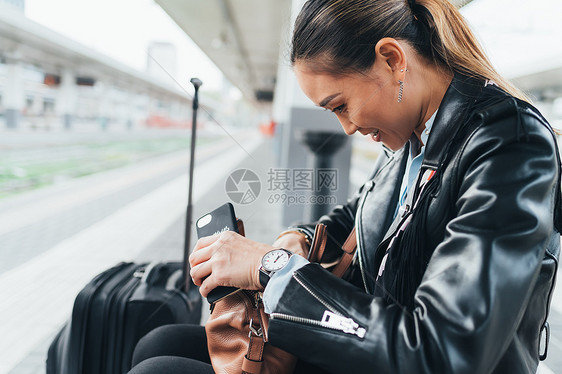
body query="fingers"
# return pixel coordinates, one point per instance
(227, 259)
(203, 277)
(201, 252)
(206, 255)
(199, 272)
(200, 256)
(207, 286)
(205, 241)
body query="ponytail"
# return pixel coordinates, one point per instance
(340, 35)
(454, 45)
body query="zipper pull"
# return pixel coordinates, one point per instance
(344, 324)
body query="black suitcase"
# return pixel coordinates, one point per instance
(114, 311)
(122, 304)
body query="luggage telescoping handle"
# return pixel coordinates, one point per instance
(187, 242)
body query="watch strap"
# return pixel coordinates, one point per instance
(264, 277)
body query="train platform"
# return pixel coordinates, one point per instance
(54, 240)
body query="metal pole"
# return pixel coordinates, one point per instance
(321, 161)
(187, 243)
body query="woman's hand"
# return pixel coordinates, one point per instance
(294, 242)
(226, 259)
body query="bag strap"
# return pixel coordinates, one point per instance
(240, 226)
(318, 244)
(349, 248)
(318, 247)
(253, 359)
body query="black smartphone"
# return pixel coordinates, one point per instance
(219, 220)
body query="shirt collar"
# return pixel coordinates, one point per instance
(415, 146)
(428, 125)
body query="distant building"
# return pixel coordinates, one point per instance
(17, 4)
(161, 60)
(46, 87)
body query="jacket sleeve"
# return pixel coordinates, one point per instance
(340, 221)
(477, 284)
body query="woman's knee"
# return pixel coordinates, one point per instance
(172, 340)
(171, 365)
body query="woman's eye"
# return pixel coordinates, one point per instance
(338, 109)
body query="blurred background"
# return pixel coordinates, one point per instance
(95, 130)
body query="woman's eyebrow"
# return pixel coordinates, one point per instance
(328, 99)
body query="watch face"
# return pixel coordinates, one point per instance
(275, 260)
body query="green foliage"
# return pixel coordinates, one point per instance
(24, 170)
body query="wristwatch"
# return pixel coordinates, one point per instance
(271, 262)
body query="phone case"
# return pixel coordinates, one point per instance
(219, 220)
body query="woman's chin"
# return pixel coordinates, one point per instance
(376, 136)
(392, 144)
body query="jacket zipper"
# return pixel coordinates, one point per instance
(544, 326)
(357, 234)
(331, 319)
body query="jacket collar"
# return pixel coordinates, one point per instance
(455, 107)
(452, 113)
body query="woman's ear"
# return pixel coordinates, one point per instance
(390, 53)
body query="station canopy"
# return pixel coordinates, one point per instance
(243, 38)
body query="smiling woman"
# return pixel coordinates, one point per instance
(416, 60)
(457, 229)
(397, 80)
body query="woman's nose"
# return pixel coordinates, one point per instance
(348, 126)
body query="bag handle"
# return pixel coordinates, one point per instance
(253, 359)
(240, 226)
(318, 247)
(349, 248)
(318, 244)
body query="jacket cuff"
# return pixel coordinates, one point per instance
(279, 281)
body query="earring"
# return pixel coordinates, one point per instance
(400, 91)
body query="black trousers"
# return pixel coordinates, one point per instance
(182, 349)
(173, 349)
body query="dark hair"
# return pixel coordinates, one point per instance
(340, 35)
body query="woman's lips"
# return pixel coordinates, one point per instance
(376, 136)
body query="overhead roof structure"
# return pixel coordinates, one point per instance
(242, 37)
(26, 41)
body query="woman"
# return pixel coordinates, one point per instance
(458, 228)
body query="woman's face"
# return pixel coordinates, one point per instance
(365, 103)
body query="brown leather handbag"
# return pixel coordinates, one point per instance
(237, 328)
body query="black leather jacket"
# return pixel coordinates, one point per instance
(484, 296)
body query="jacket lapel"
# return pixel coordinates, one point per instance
(376, 210)
(452, 113)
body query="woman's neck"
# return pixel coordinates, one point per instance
(434, 83)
